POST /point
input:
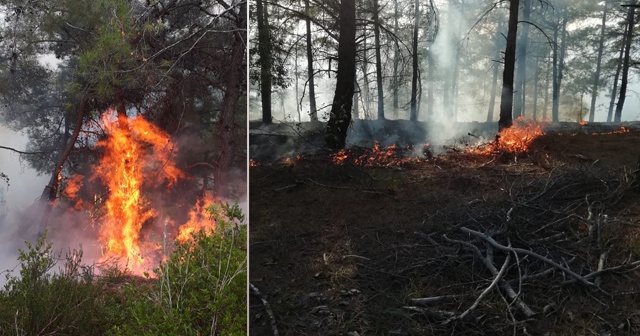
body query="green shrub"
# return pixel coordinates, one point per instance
(201, 289)
(41, 302)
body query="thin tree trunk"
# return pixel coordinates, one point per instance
(456, 68)
(356, 98)
(376, 23)
(506, 102)
(614, 90)
(496, 65)
(313, 111)
(264, 51)
(555, 94)
(340, 116)
(563, 50)
(297, 74)
(414, 79)
(536, 76)
(50, 192)
(546, 93)
(518, 99)
(596, 76)
(625, 66)
(396, 59)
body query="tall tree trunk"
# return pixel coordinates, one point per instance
(356, 98)
(340, 117)
(614, 89)
(264, 51)
(376, 23)
(234, 84)
(536, 76)
(496, 65)
(519, 98)
(596, 76)
(625, 65)
(506, 103)
(396, 59)
(563, 52)
(50, 192)
(365, 76)
(297, 74)
(414, 79)
(313, 111)
(545, 109)
(456, 67)
(431, 80)
(555, 94)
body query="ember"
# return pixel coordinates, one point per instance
(392, 155)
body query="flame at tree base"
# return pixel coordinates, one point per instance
(138, 162)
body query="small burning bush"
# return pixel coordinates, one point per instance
(201, 288)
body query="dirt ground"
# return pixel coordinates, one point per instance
(341, 249)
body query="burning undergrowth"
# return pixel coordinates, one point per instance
(135, 196)
(454, 246)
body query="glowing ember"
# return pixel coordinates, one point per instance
(582, 122)
(253, 163)
(622, 130)
(392, 155)
(340, 157)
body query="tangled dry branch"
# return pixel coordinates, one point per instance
(555, 236)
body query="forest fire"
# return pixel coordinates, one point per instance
(392, 155)
(515, 139)
(138, 156)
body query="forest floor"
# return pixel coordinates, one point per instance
(346, 249)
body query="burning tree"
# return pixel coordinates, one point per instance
(178, 65)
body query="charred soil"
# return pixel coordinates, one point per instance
(347, 249)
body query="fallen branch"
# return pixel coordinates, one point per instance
(494, 271)
(426, 301)
(484, 293)
(255, 291)
(499, 246)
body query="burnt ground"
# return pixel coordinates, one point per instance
(344, 249)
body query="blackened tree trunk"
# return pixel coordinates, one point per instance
(506, 103)
(555, 94)
(340, 117)
(50, 192)
(614, 89)
(313, 111)
(596, 76)
(376, 23)
(625, 65)
(234, 89)
(536, 76)
(414, 78)
(519, 98)
(264, 51)
(558, 63)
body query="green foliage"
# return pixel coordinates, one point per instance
(39, 302)
(201, 288)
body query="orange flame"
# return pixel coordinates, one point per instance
(582, 122)
(515, 139)
(199, 219)
(136, 152)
